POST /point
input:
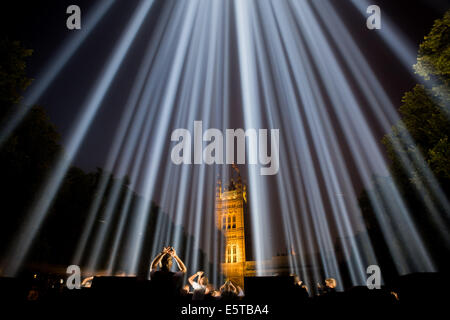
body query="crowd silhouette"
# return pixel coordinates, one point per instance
(168, 291)
(167, 284)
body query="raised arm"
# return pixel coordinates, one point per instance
(191, 278)
(157, 260)
(233, 287)
(240, 292)
(180, 263)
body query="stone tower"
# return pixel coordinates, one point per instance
(230, 201)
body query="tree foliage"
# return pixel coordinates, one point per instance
(13, 79)
(29, 153)
(417, 145)
(26, 160)
(434, 57)
(425, 112)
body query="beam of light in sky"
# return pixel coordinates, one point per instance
(37, 215)
(399, 44)
(196, 190)
(139, 137)
(331, 90)
(278, 59)
(193, 83)
(264, 61)
(405, 50)
(352, 119)
(155, 153)
(325, 145)
(224, 99)
(124, 210)
(383, 108)
(56, 65)
(201, 222)
(212, 237)
(292, 75)
(124, 144)
(250, 104)
(207, 106)
(175, 201)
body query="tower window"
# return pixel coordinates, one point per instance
(234, 222)
(234, 254)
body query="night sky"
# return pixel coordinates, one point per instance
(41, 26)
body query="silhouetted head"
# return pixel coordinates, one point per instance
(297, 280)
(228, 286)
(204, 280)
(185, 289)
(209, 289)
(166, 263)
(215, 293)
(330, 283)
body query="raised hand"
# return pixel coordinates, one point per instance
(166, 250)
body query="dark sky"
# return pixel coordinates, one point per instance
(41, 26)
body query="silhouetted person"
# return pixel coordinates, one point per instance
(239, 292)
(185, 290)
(200, 286)
(165, 283)
(214, 295)
(211, 294)
(329, 288)
(186, 295)
(300, 289)
(228, 291)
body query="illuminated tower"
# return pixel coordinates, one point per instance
(230, 201)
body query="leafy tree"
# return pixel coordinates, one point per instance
(27, 156)
(426, 111)
(433, 59)
(13, 79)
(433, 64)
(422, 133)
